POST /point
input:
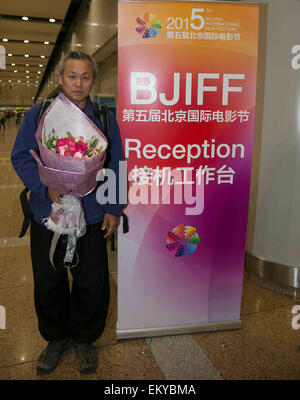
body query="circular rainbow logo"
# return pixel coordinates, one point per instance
(182, 240)
(149, 26)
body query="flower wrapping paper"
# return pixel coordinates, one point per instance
(68, 175)
(71, 177)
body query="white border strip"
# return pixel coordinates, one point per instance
(177, 330)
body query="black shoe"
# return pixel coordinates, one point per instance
(87, 357)
(50, 357)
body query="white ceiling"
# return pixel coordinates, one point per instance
(33, 31)
(35, 8)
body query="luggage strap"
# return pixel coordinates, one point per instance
(26, 211)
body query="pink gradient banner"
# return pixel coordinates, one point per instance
(186, 109)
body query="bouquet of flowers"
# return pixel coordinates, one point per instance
(73, 147)
(72, 151)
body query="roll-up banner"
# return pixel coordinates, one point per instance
(187, 84)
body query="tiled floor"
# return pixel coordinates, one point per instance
(265, 348)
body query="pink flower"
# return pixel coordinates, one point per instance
(82, 152)
(78, 155)
(61, 150)
(61, 144)
(71, 146)
(62, 141)
(81, 147)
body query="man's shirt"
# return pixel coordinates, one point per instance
(27, 169)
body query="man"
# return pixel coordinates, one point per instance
(3, 118)
(76, 318)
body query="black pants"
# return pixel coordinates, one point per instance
(82, 312)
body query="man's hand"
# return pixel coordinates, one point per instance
(54, 196)
(110, 223)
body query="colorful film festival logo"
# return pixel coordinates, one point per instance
(182, 240)
(149, 26)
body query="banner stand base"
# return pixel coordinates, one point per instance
(177, 330)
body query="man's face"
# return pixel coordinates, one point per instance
(77, 81)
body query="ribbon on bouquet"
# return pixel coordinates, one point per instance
(66, 219)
